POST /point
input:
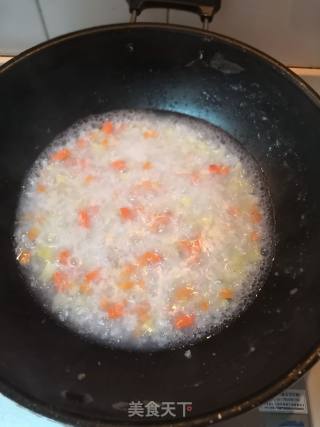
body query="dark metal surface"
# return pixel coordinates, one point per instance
(205, 8)
(268, 110)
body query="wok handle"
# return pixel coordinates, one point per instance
(205, 8)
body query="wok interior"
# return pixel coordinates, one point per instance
(262, 107)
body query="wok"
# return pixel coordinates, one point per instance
(267, 109)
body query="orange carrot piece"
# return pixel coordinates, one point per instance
(127, 214)
(255, 215)
(88, 179)
(33, 233)
(61, 155)
(143, 311)
(147, 165)
(226, 293)
(190, 248)
(146, 186)
(151, 133)
(84, 219)
(115, 310)
(81, 143)
(105, 142)
(184, 293)
(149, 258)
(104, 304)
(129, 269)
(254, 236)
(195, 177)
(219, 169)
(204, 305)
(119, 165)
(24, 257)
(141, 283)
(83, 163)
(41, 188)
(107, 128)
(233, 211)
(93, 275)
(85, 288)
(61, 282)
(64, 256)
(126, 285)
(160, 221)
(183, 321)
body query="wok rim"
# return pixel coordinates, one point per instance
(236, 408)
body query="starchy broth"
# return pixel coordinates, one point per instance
(144, 229)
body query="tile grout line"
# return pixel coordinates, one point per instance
(43, 22)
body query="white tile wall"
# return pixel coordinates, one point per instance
(286, 29)
(20, 26)
(63, 16)
(289, 30)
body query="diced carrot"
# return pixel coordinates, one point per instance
(94, 209)
(120, 127)
(146, 187)
(61, 282)
(127, 214)
(142, 311)
(190, 248)
(83, 163)
(104, 304)
(233, 211)
(107, 127)
(254, 236)
(204, 305)
(219, 169)
(88, 179)
(149, 258)
(128, 269)
(195, 177)
(141, 283)
(119, 165)
(184, 293)
(85, 288)
(61, 155)
(255, 215)
(93, 275)
(151, 133)
(147, 165)
(226, 293)
(115, 310)
(159, 221)
(24, 257)
(33, 233)
(84, 219)
(41, 188)
(183, 321)
(105, 142)
(64, 256)
(126, 285)
(81, 143)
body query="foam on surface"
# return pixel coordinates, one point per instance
(166, 175)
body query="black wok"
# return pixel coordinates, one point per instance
(256, 100)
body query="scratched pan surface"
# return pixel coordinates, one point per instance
(273, 114)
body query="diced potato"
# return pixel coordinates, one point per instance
(254, 255)
(44, 252)
(48, 271)
(61, 179)
(97, 148)
(186, 201)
